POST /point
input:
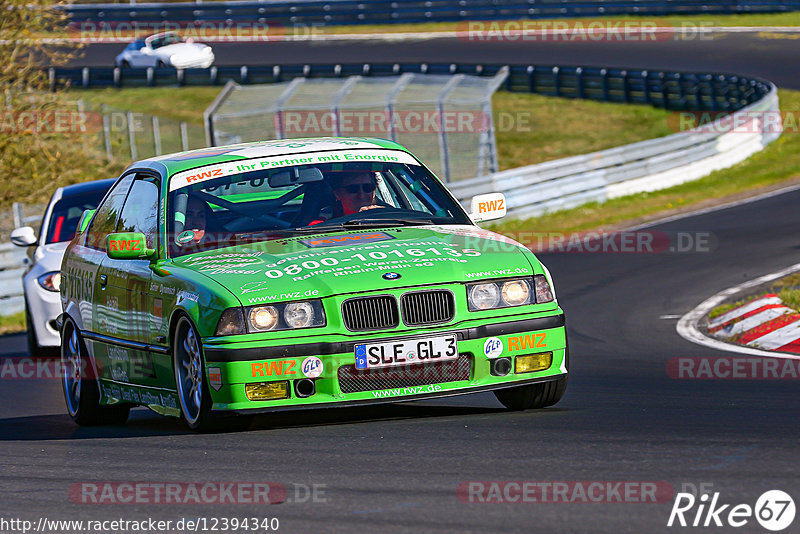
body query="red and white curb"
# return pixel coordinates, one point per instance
(765, 327)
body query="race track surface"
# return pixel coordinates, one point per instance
(396, 468)
(738, 53)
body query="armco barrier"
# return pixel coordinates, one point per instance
(645, 166)
(11, 270)
(665, 89)
(339, 12)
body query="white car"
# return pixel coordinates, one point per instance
(166, 50)
(42, 277)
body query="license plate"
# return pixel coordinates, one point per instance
(406, 352)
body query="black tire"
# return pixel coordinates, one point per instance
(532, 396)
(126, 65)
(535, 396)
(33, 343)
(189, 366)
(161, 65)
(81, 391)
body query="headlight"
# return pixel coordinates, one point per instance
(298, 314)
(50, 281)
(543, 291)
(500, 294)
(484, 296)
(231, 322)
(263, 317)
(285, 316)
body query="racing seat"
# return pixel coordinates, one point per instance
(316, 197)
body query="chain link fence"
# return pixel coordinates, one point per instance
(446, 120)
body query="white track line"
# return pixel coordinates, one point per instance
(687, 325)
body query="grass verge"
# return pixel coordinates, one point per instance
(10, 324)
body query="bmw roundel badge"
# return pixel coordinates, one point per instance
(391, 276)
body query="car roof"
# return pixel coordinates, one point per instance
(280, 147)
(86, 187)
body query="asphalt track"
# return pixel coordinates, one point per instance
(396, 468)
(772, 56)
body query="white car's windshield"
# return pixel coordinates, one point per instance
(215, 205)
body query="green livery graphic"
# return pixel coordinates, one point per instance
(298, 274)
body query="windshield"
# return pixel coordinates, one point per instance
(164, 40)
(288, 196)
(66, 214)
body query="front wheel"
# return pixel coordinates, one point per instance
(81, 391)
(532, 396)
(193, 393)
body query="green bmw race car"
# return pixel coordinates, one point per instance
(299, 274)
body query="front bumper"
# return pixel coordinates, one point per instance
(234, 366)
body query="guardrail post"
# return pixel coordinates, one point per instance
(579, 81)
(181, 74)
(150, 76)
(556, 81)
(531, 78)
(276, 73)
(243, 74)
(662, 79)
(626, 87)
(698, 93)
(646, 84)
(85, 77)
(365, 69)
(51, 78)
(712, 92)
(117, 76)
(156, 136)
(212, 75)
(184, 137)
(604, 77)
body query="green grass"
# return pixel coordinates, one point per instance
(179, 103)
(13, 323)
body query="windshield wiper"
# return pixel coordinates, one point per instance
(362, 223)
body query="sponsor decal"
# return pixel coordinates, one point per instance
(215, 377)
(186, 295)
(253, 287)
(347, 239)
(526, 341)
(312, 367)
(270, 368)
(493, 347)
(193, 176)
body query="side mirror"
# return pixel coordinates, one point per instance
(24, 236)
(128, 246)
(488, 207)
(83, 223)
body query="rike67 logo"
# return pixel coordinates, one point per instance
(774, 510)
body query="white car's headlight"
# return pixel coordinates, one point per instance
(50, 281)
(508, 293)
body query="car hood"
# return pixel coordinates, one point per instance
(365, 260)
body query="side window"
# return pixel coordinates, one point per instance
(105, 220)
(140, 213)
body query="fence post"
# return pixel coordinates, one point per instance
(531, 78)
(107, 133)
(646, 83)
(444, 151)
(156, 135)
(132, 136)
(185, 137)
(19, 217)
(662, 77)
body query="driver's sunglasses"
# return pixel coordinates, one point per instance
(355, 188)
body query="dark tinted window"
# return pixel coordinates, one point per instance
(140, 213)
(66, 214)
(105, 220)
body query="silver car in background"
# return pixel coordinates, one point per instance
(42, 277)
(166, 50)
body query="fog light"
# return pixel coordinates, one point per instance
(264, 391)
(533, 362)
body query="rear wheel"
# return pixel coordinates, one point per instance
(81, 391)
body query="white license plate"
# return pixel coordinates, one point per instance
(406, 352)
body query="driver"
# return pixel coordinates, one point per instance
(197, 215)
(355, 192)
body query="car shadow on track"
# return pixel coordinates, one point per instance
(145, 423)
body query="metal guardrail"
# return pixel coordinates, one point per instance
(665, 89)
(350, 12)
(639, 167)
